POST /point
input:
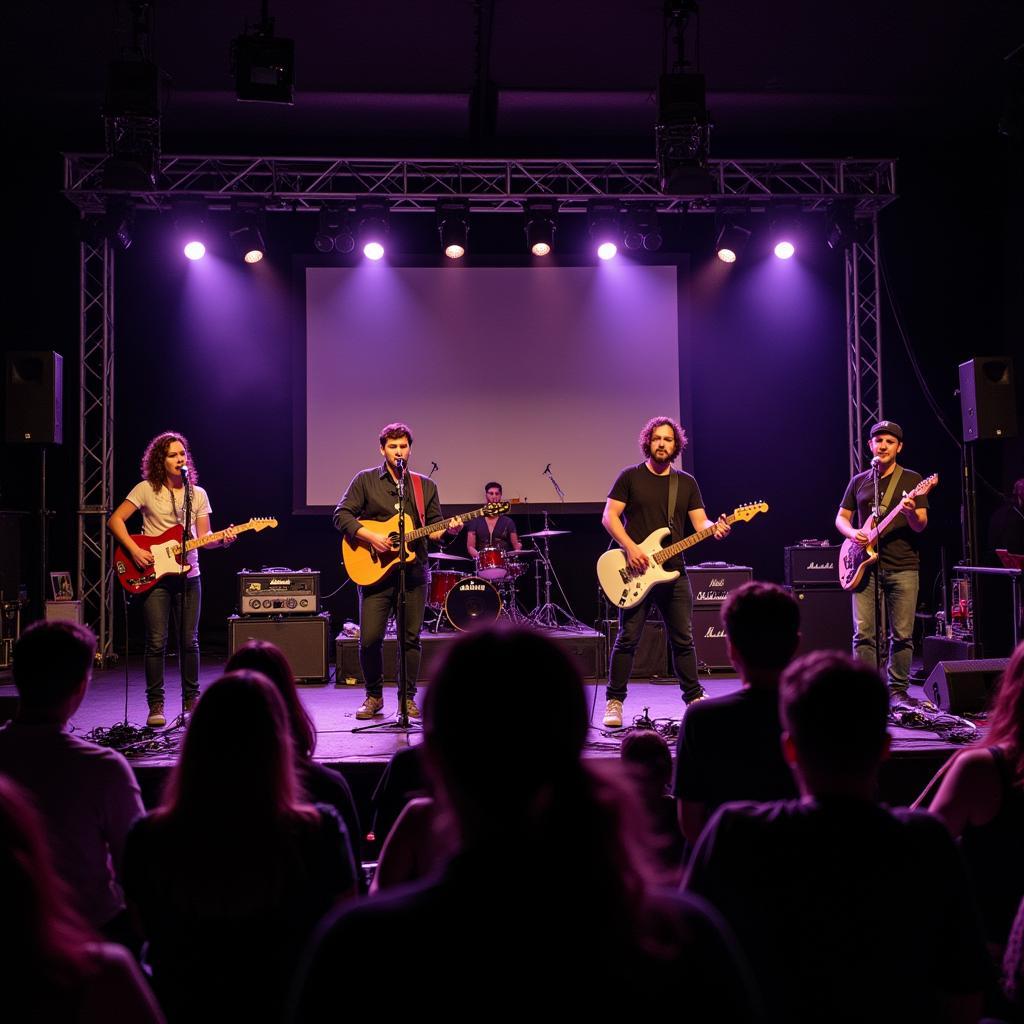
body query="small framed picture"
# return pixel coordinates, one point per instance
(60, 584)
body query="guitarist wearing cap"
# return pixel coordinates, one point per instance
(898, 559)
(372, 497)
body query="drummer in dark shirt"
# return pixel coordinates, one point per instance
(492, 531)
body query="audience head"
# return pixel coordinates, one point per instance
(1006, 719)
(236, 762)
(39, 929)
(52, 665)
(834, 710)
(263, 656)
(647, 753)
(762, 626)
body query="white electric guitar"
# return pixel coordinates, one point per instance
(626, 586)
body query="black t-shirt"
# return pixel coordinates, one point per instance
(500, 538)
(645, 495)
(730, 748)
(899, 543)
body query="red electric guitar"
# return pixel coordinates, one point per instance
(168, 554)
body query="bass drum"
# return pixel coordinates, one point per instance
(472, 601)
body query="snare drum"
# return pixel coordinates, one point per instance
(514, 565)
(472, 601)
(490, 564)
(441, 583)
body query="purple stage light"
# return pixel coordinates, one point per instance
(195, 250)
(373, 251)
(726, 255)
(253, 256)
(607, 250)
(784, 249)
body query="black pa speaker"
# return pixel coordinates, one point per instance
(33, 388)
(964, 687)
(302, 639)
(987, 404)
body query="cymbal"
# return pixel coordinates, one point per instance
(445, 557)
(522, 553)
(547, 533)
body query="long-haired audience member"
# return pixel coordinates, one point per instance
(53, 966)
(847, 911)
(231, 874)
(981, 800)
(550, 882)
(321, 784)
(648, 761)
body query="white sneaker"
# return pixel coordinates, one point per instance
(613, 714)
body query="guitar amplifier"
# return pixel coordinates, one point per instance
(709, 637)
(279, 592)
(302, 639)
(815, 565)
(712, 582)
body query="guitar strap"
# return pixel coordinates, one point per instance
(673, 490)
(890, 490)
(417, 493)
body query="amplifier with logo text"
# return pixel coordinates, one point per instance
(712, 582)
(812, 566)
(709, 637)
(279, 592)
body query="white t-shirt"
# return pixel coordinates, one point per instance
(159, 513)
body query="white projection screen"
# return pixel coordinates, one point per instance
(499, 371)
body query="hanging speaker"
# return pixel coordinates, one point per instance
(987, 404)
(33, 388)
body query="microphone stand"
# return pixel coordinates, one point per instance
(183, 574)
(877, 514)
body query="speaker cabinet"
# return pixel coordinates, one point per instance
(650, 660)
(826, 619)
(303, 639)
(941, 648)
(964, 687)
(33, 389)
(709, 639)
(65, 611)
(987, 405)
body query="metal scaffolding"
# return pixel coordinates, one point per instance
(96, 440)
(503, 186)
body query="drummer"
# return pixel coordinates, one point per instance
(492, 531)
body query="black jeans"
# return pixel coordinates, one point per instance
(161, 610)
(376, 603)
(675, 602)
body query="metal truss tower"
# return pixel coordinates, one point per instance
(498, 186)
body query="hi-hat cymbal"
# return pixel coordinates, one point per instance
(547, 533)
(445, 557)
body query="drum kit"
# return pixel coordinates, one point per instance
(462, 600)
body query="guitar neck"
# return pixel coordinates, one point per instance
(212, 538)
(423, 531)
(695, 538)
(922, 488)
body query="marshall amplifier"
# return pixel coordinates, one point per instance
(279, 592)
(709, 637)
(812, 566)
(712, 582)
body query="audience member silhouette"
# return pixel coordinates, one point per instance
(321, 784)
(87, 794)
(812, 887)
(730, 748)
(53, 966)
(648, 762)
(981, 800)
(550, 881)
(231, 874)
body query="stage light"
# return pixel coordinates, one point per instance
(372, 227)
(194, 250)
(786, 231)
(190, 224)
(732, 240)
(540, 215)
(248, 236)
(453, 225)
(784, 249)
(334, 231)
(641, 229)
(264, 65)
(603, 225)
(841, 228)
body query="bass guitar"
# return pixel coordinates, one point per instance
(626, 586)
(169, 554)
(855, 558)
(365, 565)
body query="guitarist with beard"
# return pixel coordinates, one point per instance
(638, 504)
(898, 560)
(373, 495)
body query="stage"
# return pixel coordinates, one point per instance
(361, 755)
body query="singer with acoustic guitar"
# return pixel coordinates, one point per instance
(368, 514)
(905, 493)
(169, 496)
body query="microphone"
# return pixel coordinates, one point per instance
(400, 463)
(547, 470)
(875, 462)
(433, 467)
(184, 472)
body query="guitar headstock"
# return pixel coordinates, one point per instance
(926, 485)
(745, 513)
(261, 524)
(496, 508)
